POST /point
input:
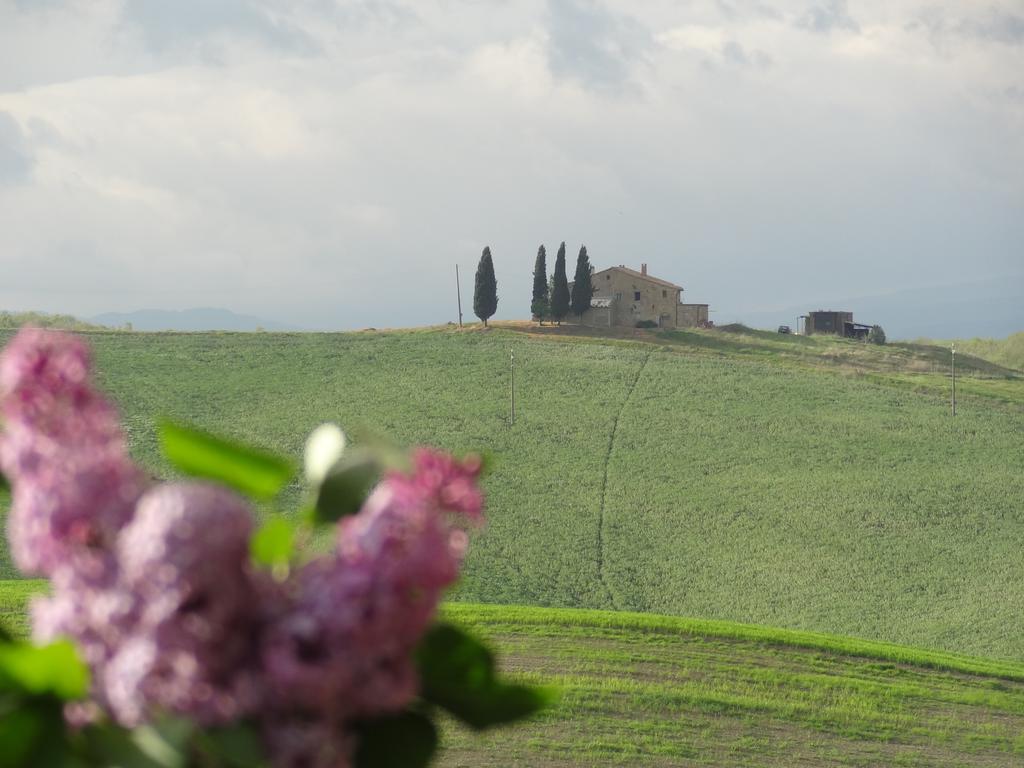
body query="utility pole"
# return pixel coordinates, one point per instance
(458, 293)
(952, 378)
(512, 387)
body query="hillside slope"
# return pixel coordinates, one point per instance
(639, 689)
(657, 691)
(1008, 352)
(693, 474)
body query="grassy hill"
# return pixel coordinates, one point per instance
(1008, 352)
(638, 689)
(657, 691)
(808, 483)
(13, 320)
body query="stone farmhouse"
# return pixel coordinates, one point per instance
(624, 297)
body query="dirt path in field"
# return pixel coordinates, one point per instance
(612, 435)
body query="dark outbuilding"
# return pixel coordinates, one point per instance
(837, 323)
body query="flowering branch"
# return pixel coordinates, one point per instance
(204, 641)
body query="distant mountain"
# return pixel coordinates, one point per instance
(988, 309)
(198, 319)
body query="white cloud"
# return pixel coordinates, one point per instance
(15, 155)
(283, 159)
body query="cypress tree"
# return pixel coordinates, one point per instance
(560, 289)
(582, 288)
(485, 292)
(539, 305)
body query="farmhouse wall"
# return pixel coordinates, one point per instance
(636, 297)
(596, 317)
(691, 315)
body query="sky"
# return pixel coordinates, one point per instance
(327, 163)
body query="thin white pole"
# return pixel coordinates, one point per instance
(512, 386)
(458, 293)
(952, 378)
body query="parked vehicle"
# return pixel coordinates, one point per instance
(785, 329)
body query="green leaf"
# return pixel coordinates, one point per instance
(347, 485)
(164, 742)
(457, 673)
(20, 730)
(408, 740)
(389, 454)
(249, 470)
(232, 746)
(160, 745)
(110, 745)
(32, 733)
(52, 669)
(273, 544)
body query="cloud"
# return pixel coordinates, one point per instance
(747, 9)
(141, 172)
(734, 53)
(189, 22)
(997, 26)
(15, 156)
(827, 17)
(592, 45)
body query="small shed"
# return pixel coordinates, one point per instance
(827, 321)
(853, 330)
(836, 323)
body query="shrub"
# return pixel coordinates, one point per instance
(646, 324)
(876, 335)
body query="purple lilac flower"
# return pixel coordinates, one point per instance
(345, 646)
(62, 448)
(168, 621)
(155, 589)
(88, 604)
(191, 648)
(311, 743)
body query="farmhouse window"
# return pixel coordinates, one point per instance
(607, 277)
(636, 295)
(664, 294)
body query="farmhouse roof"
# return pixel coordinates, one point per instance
(642, 276)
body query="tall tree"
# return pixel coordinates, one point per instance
(582, 287)
(539, 305)
(560, 288)
(485, 292)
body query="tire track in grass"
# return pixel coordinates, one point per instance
(612, 435)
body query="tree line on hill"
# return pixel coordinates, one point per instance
(552, 298)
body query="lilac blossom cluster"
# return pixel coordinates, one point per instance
(154, 585)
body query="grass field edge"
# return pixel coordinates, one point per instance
(714, 628)
(14, 596)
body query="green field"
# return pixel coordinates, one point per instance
(650, 690)
(14, 597)
(813, 484)
(637, 689)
